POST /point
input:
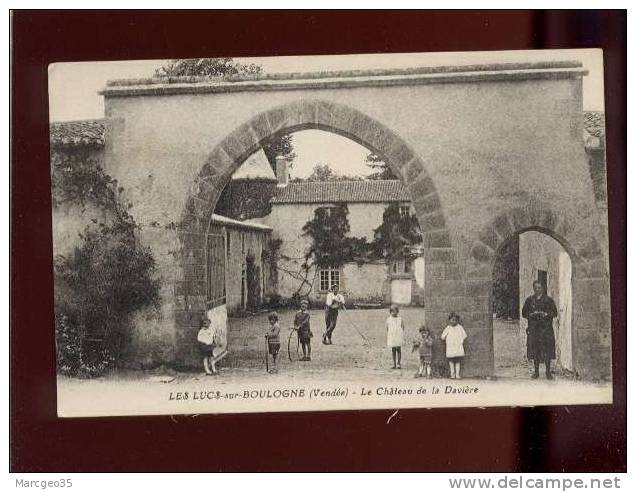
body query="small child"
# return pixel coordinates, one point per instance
(454, 335)
(205, 338)
(425, 345)
(395, 335)
(302, 325)
(273, 339)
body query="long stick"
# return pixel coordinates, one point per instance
(266, 354)
(355, 326)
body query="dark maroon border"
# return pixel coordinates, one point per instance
(584, 438)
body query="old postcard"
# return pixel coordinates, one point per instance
(330, 233)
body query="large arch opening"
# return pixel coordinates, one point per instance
(320, 180)
(530, 255)
(210, 194)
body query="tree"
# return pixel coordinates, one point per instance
(323, 172)
(328, 231)
(396, 234)
(278, 145)
(381, 169)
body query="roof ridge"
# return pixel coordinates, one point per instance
(362, 190)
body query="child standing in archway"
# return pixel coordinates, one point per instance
(454, 335)
(205, 338)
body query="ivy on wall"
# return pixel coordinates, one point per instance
(331, 247)
(253, 279)
(108, 276)
(396, 235)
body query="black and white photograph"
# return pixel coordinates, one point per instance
(333, 232)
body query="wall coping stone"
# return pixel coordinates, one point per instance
(160, 86)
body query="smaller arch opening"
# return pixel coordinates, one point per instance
(531, 255)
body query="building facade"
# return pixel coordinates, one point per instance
(365, 283)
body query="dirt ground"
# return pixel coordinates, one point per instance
(350, 364)
(350, 351)
(351, 357)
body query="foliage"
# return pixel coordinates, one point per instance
(397, 233)
(271, 254)
(74, 355)
(381, 170)
(104, 281)
(279, 146)
(328, 230)
(253, 279)
(324, 172)
(505, 298)
(78, 179)
(331, 247)
(246, 198)
(210, 67)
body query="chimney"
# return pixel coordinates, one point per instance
(282, 170)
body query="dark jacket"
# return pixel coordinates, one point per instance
(540, 312)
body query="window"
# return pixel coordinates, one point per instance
(243, 242)
(405, 210)
(329, 277)
(401, 267)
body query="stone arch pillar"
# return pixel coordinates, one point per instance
(590, 281)
(231, 152)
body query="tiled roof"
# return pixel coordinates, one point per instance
(82, 132)
(341, 191)
(594, 123)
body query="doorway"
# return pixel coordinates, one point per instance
(528, 257)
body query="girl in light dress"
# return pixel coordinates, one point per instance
(395, 335)
(454, 335)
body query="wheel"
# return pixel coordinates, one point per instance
(293, 346)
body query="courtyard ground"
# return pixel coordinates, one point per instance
(350, 362)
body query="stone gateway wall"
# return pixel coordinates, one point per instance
(484, 154)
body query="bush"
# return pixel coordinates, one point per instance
(75, 357)
(102, 283)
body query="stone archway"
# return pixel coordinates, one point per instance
(590, 312)
(229, 154)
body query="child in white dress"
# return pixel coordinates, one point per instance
(454, 335)
(395, 335)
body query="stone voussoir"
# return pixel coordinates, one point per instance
(442, 255)
(427, 204)
(437, 239)
(261, 127)
(490, 238)
(421, 188)
(240, 144)
(217, 164)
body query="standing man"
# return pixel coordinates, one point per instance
(539, 309)
(334, 302)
